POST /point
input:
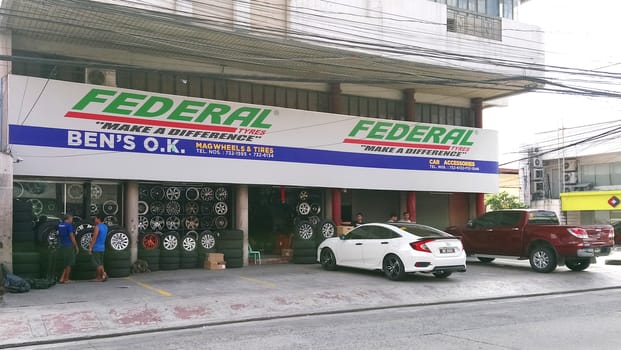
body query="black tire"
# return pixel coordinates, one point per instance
(231, 235)
(186, 255)
(232, 244)
(303, 244)
(148, 253)
(542, 259)
(304, 260)
(118, 255)
(442, 274)
(117, 264)
(304, 230)
(327, 259)
(485, 260)
(119, 272)
(23, 226)
(26, 258)
(169, 253)
(393, 267)
(234, 263)
(231, 253)
(28, 268)
(167, 260)
(47, 234)
(24, 247)
(326, 229)
(188, 263)
(82, 275)
(23, 236)
(305, 253)
(578, 264)
(168, 267)
(83, 259)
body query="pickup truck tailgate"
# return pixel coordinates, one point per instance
(599, 235)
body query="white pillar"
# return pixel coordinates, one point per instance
(131, 216)
(241, 216)
(6, 210)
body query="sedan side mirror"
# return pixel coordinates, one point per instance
(470, 224)
(342, 237)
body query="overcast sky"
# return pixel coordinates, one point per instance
(581, 34)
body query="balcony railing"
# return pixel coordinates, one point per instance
(464, 22)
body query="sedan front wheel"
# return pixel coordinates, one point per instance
(327, 259)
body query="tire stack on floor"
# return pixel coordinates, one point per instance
(231, 244)
(206, 244)
(149, 250)
(26, 258)
(83, 268)
(310, 229)
(51, 261)
(170, 257)
(117, 257)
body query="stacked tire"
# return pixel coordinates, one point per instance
(83, 268)
(149, 251)
(117, 257)
(189, 250)
(51, 261)
(231, 244)
(170, 257)
(26, 258)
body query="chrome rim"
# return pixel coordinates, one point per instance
(189, 243)
(393, 267)
(157, 223)
(221, 222)
(157, 208)
(173, 208)
(207, 193)
(37, 206)
(305, 231)
(221, 194)
(192, 223)
(173, 193)
(191, 208)
(541, 259)
(304, 208)
(96, 192)
(83, 227)
(192, 194)
(93, 208)
(143, 193)
(208, 241)
(119, 241)
(303, 195)
(75, 191)
(170, 242)
(143, 208)
(314, 220)
(315, 209)
(52, 238)
(110, 220)
(85, 240)
(220, 208)
(173, 223)
(143, 223)
(110, 207)
(327, 230)
(157, 193)
(18, 189)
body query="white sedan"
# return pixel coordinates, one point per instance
(396, 249)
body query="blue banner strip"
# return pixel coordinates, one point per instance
(138, 143)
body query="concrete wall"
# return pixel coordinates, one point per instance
(6, 210)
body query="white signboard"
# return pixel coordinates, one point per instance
(78, 130)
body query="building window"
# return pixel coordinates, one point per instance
(474, 24)
(446, 115)
(492, 8)
(615, 173)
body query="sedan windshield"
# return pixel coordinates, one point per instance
(420, 230)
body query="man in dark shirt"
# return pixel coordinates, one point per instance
(359, 220)
(68, 246)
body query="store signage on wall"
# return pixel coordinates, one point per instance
(72, 122)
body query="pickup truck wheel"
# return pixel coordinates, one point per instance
(542, 259)
(578, 264)
(486, 260)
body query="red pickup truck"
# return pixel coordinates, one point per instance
(535, 235)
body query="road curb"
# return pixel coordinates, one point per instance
(291, 316)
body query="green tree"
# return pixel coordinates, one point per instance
(503, 200)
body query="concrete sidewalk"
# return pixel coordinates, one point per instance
(189, 298)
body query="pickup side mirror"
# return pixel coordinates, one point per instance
(470, 224)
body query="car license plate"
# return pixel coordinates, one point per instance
(447, 250)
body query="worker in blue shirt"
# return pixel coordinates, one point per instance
(68, 246)
(98, 246)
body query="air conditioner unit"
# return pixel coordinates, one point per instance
(570, 165)
(99, 76)
(537, 162)
(571, 177)
(537, 174)
(537, 186)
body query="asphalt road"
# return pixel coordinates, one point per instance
(588, 320)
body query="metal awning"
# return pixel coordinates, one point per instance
(93, 24)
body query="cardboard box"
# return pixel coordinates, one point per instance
(343, 230)
(215, 257)
(286, 252)
(213, 265)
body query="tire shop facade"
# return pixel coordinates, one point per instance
(198, 143)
